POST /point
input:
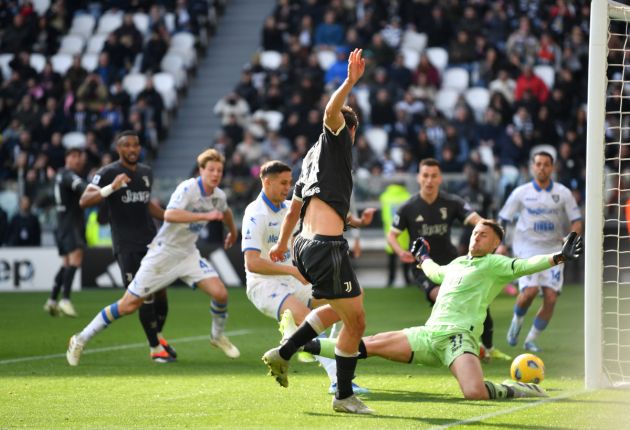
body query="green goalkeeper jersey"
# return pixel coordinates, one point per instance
(469, 285)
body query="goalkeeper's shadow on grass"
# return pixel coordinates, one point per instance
(415, 397)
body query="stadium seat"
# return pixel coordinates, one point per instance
(414, 41)
(71, 44)
(174, 64)
(326, 58)
(397, 155)
(9, 201)
(109, 22)
(89, 62)
(74, 139)
(456, 78)
(141, 21)
(362, 93)
(411, 58)
(438, 57)
(133, 83)
(37, 61)
(83, 25)
(165, 84)
(61, 63)
(546, 73)
(478, 99)
(273, 119)
(377, 139)
(95, 44)
(188, 56)
(5, 59)
(169, 21)
(183, 41)
(41, 6)
(270, 60)
(445, 101)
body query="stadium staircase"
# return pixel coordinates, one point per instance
(237, 38)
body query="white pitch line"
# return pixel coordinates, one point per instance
(510, 410)
(120, 347)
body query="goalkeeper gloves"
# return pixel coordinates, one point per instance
(420, 249)
(571, 249)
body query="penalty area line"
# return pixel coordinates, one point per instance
(121, 347)
(511, 410)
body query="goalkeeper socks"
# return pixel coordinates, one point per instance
(488, 331)
(57, 284)
(303, 334)
(147, 317)
(537, 328)
(498, 391)
(68, 277)
(219, 317)
(346, 365)
(100, 322)
(160, 305)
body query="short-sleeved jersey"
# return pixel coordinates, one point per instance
(469, 285)
(543, 217)
(261, 230)
(180, 238)
(68, 189)
(130, 220)
(327, 172)
(433, 222)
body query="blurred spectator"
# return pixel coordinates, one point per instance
(76, 74)
(129, 35)
(46, 40)
(250, 149)
(17, 37)
(24, 229)
(480, 200)
(522, 42)
(271, 35)
(438, 28)
(528, 81)
(339, 69)
(153, 52)
(329, 33)
(21, 63)
(232, 105)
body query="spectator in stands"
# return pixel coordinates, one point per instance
(129, 35)
(51, 81)
(153, 52)
(21, 63)
(399, 73)
(272, 39)
(382, 54)
(154, 102)
(249, 148)
(46, 40)
(232, 104)
(528, 81)
(569, 168)
(93, 93)
(184, 20)
(121, 56)
(337, 72)
(329, 33)
(438, 28)
(17, 37)
(55, 152)
(120, 97)
(522, 42)
(76, 74)
(461, 51)
(382, 110)
(105, 70)
(82, 119)
(276, 147)
(504, 85)
(24, 228)
(27, 113)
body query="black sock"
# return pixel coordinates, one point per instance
(57, 285)
(313, 347)
(362, 351)
(488, 331)
(68, 278)
(149, 323)
(161, 310)
(345, 374)
(303, 334)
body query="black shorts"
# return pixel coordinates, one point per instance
(129, 263)
(425, 283)
(325, 262)
(69, 240)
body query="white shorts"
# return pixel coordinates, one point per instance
(160, 269)
(268, 295)
(551, 278)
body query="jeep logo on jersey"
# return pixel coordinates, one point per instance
(136, 196)
(443, 213)
(555, 197)
(146, 181)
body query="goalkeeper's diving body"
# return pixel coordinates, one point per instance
(450, 336)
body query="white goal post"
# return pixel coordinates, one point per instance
(607, 233)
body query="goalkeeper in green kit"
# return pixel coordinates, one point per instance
(450, 336)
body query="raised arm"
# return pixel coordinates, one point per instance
(94, 194)
(333, 119)
(278, 251)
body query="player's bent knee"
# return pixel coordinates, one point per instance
(475, 393)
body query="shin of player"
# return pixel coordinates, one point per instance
(173, 255)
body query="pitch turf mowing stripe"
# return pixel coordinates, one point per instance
(510, 410)
(120, 347)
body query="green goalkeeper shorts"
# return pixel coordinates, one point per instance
(437, 349)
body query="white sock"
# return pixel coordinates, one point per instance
(518, 321)
(219, 317)
(330, 366)
(533, 334)
(335, 329)
(97, 325)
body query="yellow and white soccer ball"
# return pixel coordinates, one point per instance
(528, 368)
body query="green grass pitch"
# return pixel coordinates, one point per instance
(116, 385)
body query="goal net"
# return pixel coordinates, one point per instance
(607, 236)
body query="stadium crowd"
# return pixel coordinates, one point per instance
(409, 103)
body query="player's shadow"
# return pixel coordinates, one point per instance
(415, 397)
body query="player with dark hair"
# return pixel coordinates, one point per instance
(431, 214)
(70, 232)
(544, 209)
(125, 187)
(321, 202)
(173, 255)
(450, 336)
(278, 289)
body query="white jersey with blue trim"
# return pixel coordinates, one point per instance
(261, 230)
(190, 196)
(544, 217)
